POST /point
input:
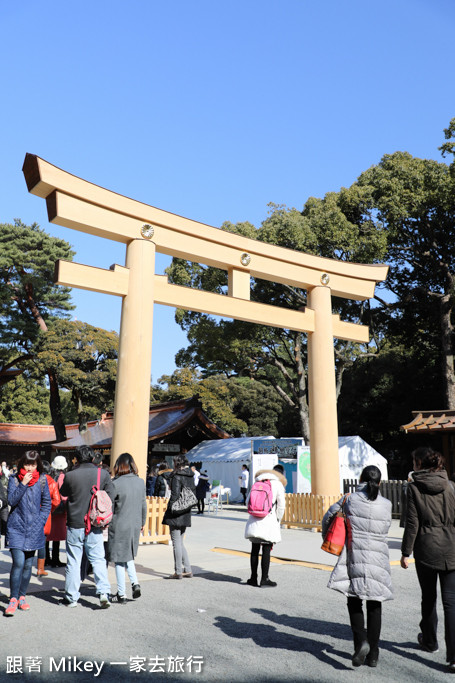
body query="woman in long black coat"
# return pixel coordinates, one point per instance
(182, 476)
(129, 516)
(430, 534)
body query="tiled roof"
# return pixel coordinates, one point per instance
(164, 419)
(431, 421)
(31, 434)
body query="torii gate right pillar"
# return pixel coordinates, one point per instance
(325, 468)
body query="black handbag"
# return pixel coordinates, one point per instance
(186, 500)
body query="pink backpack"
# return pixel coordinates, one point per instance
(100, 509)
(261, 498)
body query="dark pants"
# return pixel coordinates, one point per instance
(265, 560)
(428, 579)
(243, 492)
(55, 552)
(373, 629)
(21, 571)
(201, 505)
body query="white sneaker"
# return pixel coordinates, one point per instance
(104, 601)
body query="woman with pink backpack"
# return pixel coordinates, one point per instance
(266, 504)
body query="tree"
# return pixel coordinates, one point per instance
(332, 227)
(414, 201)
(239, 405)
(213, 393)
(259, 406)
(24, 401)
(29, 300)
(84, 361)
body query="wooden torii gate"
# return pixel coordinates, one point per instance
(80, 205)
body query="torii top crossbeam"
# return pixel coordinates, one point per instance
(80, 205)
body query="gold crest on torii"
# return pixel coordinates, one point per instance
(80, 205)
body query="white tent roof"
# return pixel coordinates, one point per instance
(223, 450)
(354, 452)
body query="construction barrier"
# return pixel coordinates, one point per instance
(306, 510)
(154, 530)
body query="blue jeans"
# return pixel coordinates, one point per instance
(76, 541)
(21, 571)
(120, 575)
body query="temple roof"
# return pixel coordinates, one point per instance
(164, 420)
(431, 421)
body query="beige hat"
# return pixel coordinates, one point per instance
(59, 463)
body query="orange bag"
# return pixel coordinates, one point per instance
(335, 537)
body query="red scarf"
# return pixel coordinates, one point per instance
(33, 480)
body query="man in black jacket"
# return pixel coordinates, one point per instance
(77, 485)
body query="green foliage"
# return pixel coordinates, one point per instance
(28, 294)
(448, 147)
(84, 359)
(213, 393)
(29, 300)
(24, 400)
(414, 203)
(258, 405)
(380, 393)
(238, 405)
(331, 227)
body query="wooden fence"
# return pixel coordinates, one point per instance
(154, 531)
(392, 489)
(305, 510)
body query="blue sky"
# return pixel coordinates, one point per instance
(212, 110)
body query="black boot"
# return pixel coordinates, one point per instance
(55, 555)
(254, 563)
(48, 561)
(361, 645)
(268, 582)
(372, 658)
(360, 653)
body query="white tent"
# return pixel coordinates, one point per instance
(355, 454)
(223, 459)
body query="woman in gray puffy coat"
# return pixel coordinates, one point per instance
(129, 517)
(363, 568)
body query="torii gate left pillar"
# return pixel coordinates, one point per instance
(132, 389)
(77, 204)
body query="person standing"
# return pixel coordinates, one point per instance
(244, 479)
(162, 485)
(264, 532)
(77, 487)
(430, 534)
(3, 509)
(363, 568)
(57, 533)
(150, 482)
(178, 522)
(55, 502)
(30, 501)
(4, 476)
(202, 488)
(129, 517)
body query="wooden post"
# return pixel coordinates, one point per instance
(132, 391)
(325, 468)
